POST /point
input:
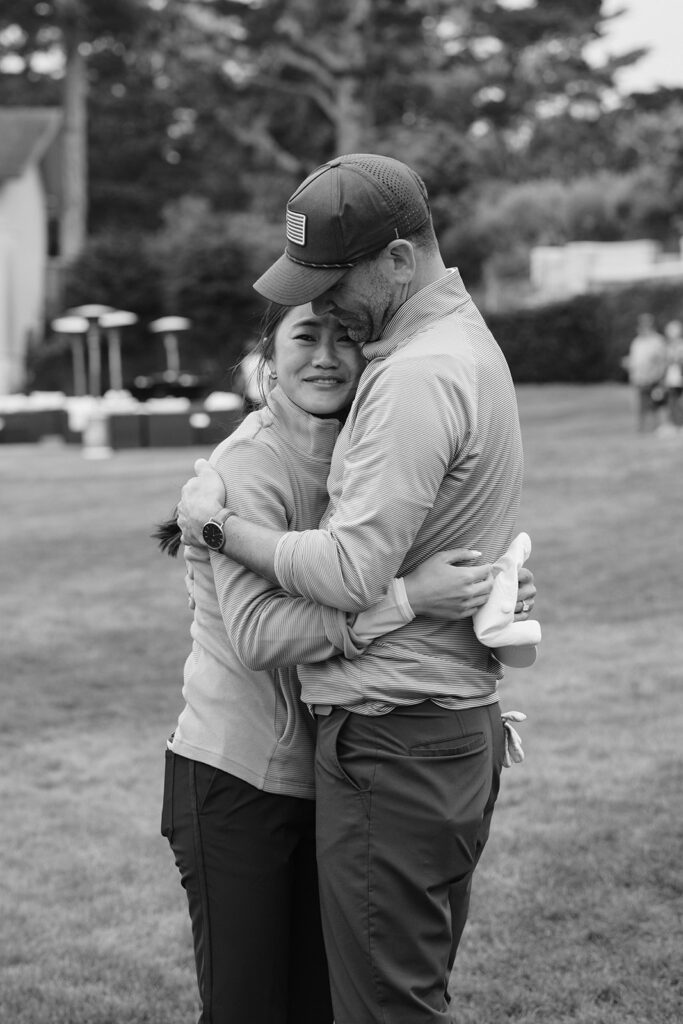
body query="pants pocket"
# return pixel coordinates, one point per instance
(203, 779)
(459, 746)
(167, 804)
(335, 755)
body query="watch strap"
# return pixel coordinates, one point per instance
(221, 517)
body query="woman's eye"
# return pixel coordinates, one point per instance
(305, 337)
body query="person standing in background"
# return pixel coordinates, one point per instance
(646, 364)
(673, 380)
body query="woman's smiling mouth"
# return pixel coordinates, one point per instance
(325, 382)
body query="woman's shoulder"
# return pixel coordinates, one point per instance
(255, 431)
(254, 447)
(258, 477)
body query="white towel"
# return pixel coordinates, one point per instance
(514, 642)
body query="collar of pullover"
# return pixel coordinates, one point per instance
(310, 435)
(422, 309)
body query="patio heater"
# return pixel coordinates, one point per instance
(75, 328)
(111, 324)
(169, 327)
(92, 313)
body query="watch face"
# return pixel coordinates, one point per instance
(213, 536)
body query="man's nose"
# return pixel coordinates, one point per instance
(322, 304)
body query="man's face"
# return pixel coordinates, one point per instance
(363, 300)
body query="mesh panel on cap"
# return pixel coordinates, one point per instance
(402, 189)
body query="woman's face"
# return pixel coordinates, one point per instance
(317, 365)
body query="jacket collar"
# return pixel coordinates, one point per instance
(310, 435)
(421, 310)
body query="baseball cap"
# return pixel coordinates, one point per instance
(346, 209)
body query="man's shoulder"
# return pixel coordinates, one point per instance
(425, 378)
(453, 345)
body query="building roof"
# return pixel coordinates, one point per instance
(26, 134)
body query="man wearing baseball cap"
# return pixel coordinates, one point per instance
(410, 741)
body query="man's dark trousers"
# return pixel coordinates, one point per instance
(404, 804)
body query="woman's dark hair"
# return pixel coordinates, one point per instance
(168, 535)
(265, 346)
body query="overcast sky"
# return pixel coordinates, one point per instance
(654, 23)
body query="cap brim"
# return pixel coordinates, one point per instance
(292, 284)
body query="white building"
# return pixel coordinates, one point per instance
(560, 271)
(29, 201)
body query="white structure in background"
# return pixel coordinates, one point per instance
(74, 329)
(560, 271)
(111, 324)
(92, 312)
(29, 197)
(169, 327)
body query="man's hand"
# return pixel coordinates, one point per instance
(526, 593)
(201, 497)
(445, 586)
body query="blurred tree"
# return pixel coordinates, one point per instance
(648, 137)
(538, 90)
(236, 99)
(457, 89)
(233, 101)
(208, 261)
(492, 230)
(52, 38)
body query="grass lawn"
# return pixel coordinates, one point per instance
(577, 912)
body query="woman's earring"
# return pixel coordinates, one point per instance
(272, 375)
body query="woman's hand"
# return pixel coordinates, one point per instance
(189, 584)
(526, 594)
(446, 586)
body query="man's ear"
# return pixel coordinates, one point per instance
(401, 252)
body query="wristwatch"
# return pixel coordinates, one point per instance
(212, 532)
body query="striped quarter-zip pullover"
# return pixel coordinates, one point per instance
(243, 712)
(430, 458)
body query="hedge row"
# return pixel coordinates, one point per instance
(582, 340)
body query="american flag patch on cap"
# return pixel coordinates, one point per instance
(296, 227)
